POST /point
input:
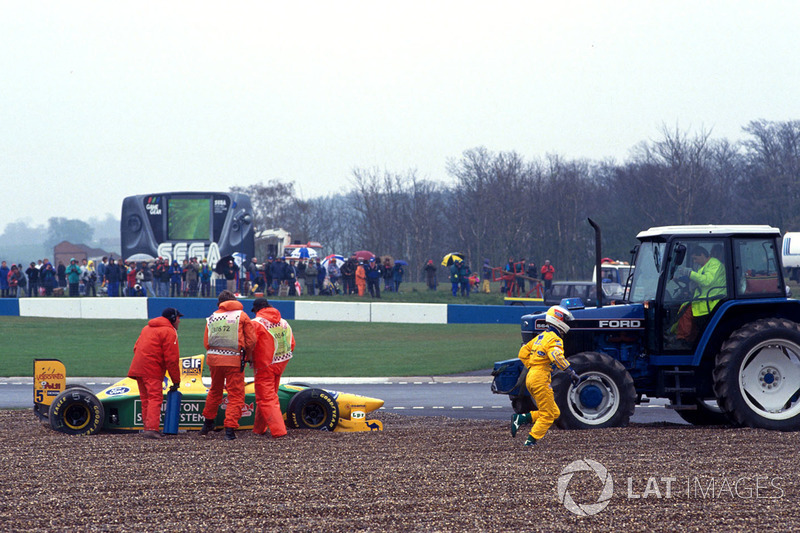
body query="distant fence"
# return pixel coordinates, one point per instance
(145, 308)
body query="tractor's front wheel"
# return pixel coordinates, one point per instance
(523, 404)
(757, 375)
(605, 397)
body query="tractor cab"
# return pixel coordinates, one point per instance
(683, 275)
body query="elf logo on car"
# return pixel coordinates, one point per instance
(191, 362)
(620, 323)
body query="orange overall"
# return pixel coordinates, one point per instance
(223, 355)
(361, 280)
(155, 353)
(270, 357)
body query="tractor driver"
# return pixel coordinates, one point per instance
(539, 355)
(711, 287)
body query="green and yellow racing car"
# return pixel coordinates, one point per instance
(76, 410)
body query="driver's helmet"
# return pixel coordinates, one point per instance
(558, 317)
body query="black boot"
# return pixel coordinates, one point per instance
(229, 434)
(208, 425)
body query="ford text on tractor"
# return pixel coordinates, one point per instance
(735, 359)
(76, 410)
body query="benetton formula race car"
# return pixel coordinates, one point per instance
(76, 410)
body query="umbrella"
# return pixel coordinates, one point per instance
(140, 257)
(219, 268)
(337, 259)
(401, 262)
(364, 255)
(449, 259)
(303, 252)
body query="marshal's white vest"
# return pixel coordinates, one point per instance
(223, 333)
(282, 338)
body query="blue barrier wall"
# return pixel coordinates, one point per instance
(9, 307)
(489, 314)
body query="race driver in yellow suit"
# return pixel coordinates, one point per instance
(539, 356)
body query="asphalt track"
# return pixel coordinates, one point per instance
(468, 397)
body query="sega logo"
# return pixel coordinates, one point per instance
(116, 391)
(620, 323)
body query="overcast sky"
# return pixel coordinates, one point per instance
(103, 100)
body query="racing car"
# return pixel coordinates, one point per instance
(76, 410)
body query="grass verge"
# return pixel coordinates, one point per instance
(105, 347)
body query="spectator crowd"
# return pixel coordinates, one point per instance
(279, 276)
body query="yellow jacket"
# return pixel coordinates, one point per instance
(710, 279)
(543, 351)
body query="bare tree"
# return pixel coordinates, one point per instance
(271, 202)
(567, 198)
(489, 204)
(773, 171)
(680, 175)
(401, 215)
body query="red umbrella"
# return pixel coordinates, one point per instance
(364, 255)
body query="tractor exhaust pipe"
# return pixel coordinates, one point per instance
(597, 258)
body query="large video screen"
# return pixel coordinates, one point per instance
(189, 219)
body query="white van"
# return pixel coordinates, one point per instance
(790, 251)
(615, 272)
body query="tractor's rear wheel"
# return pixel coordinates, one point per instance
(757, 375)
(605, 397)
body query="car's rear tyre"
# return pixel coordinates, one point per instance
(757, 375)
(77, 411)
(605, 397)
(708, 413)
(313, 409)
(42, 412)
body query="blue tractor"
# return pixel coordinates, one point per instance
(736, 362)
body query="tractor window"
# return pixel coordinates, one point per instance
(649, 262)
(705, 261)
(757, 267)
(696, 281)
